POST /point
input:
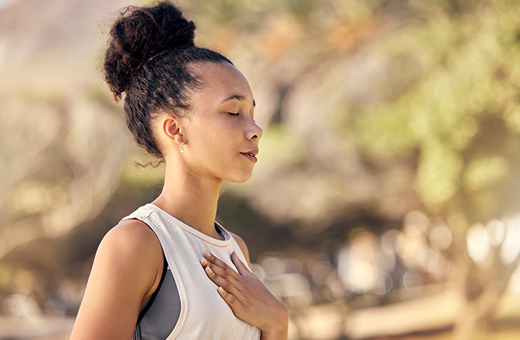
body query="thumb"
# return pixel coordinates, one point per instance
(242, 268)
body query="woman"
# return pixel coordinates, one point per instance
(169, 270)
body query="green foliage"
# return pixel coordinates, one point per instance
(280, 147)
(485, 172)
(467, 73)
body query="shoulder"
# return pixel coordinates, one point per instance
(132, 245)
(126, 270)
(132, 236)
(243, 247)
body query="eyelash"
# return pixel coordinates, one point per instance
(236, 114)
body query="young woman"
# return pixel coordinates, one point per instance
(168, 270)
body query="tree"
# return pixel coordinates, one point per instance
(459, 114)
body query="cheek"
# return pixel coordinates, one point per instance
(213, 138)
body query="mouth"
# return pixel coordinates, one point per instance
(251, 155)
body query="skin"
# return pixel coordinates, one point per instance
(128, 264)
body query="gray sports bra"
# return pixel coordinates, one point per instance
(157, 320)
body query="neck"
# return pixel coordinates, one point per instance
(190, 199)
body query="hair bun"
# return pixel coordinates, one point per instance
(139, 34)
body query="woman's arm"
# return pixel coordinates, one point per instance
(250, 300)
(126, 270)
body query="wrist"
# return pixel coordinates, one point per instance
(278, 328)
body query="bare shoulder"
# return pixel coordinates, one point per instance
(133, 232)
(126, 270)
(132, 235)
(243, 246)
(132, 244)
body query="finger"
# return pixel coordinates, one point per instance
(242, 268)
(233, 302)
(219, 266)
(218, 274)
(229, 284)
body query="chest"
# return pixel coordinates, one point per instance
(203, 312)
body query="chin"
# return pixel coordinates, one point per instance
(240, 179)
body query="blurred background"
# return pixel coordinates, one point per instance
(387, 197)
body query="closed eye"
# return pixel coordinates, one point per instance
(234, 113)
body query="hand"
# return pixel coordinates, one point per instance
(247, 296)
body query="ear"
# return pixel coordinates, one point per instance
(171, 129)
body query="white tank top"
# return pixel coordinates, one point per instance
(203, 313)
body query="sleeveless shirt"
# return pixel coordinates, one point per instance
(187, 305)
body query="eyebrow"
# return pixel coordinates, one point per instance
(237, 97)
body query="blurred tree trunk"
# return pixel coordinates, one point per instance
(482, 289)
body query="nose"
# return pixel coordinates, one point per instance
(255, 131)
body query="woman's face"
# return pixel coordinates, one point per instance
(221, 137)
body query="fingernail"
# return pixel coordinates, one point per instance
(208, 270)
(204, 262)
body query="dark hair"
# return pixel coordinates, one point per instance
(147, 58)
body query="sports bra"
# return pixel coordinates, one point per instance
(158, 318)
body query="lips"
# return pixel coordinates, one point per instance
(251, 155)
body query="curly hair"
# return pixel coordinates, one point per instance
(147, 59)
